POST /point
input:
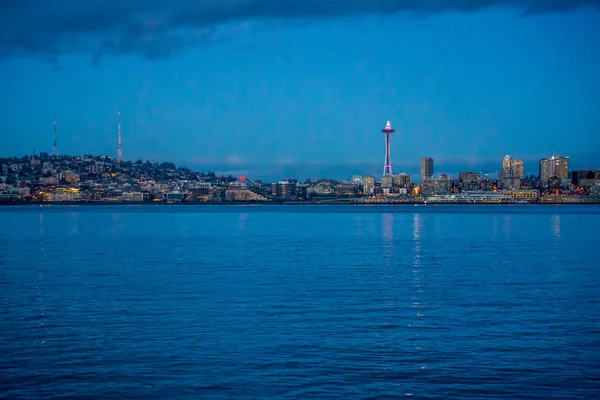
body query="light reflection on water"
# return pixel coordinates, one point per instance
(359, 222)
(417, 289)
(388, 228)
(40, 291)
(387, 225)
(496, 224)
(507, 224)
(556, 226)
(242, 221)
(74, 223)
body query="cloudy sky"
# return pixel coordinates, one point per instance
(301, 88)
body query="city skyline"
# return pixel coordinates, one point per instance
(455, 167)
(544, 168)
(101, 179)
(468, 87)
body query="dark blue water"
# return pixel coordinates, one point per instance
(160, 302)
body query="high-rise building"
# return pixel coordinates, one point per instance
(506, 162)
(518, 168)
(387, 165)
(512, 172)
(555, 166)
(426, 168)
(369, 185)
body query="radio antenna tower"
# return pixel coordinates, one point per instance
(119, 144)
(54, 146)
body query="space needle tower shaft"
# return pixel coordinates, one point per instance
(387, 165)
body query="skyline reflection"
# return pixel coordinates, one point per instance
(242, 221)
(416, 284)
(387, 226)
(507, 221)
(556, 225)
(39, 287)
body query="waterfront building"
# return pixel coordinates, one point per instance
(132, 196)
(242, 189)
(65, 194)
(175, 197)
(345, 188)
(242, 194)
(284, 190)
(485, 196)
(450, 198)
(521, 194)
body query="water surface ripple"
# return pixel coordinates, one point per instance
(296, 302)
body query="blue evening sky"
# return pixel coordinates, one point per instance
(287, 97)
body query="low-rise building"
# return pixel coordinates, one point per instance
(66, 194)
(132, 196)
(243, 195)
(522, 194)
(284, 190)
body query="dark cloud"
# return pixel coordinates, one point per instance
(159, 28)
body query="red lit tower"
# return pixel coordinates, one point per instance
(387, 131)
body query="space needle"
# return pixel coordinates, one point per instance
(387, 131)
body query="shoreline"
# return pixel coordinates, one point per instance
(263, 203)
